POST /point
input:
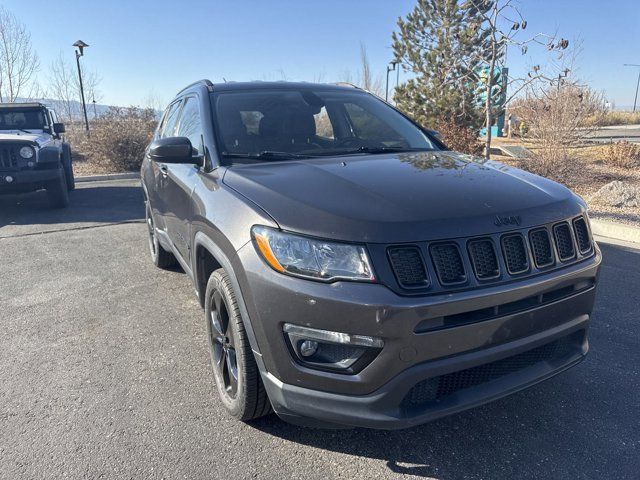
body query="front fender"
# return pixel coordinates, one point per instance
(49, 155)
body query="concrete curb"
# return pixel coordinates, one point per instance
(111, 176)
(617, 231)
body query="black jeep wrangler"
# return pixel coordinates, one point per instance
(33, 153)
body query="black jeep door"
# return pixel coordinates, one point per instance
(181, 181)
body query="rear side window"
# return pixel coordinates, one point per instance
(190, 124)
(170, 120)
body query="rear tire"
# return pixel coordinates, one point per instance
(160, 257)
(58, 192)
(235, 371)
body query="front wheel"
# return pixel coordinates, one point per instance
(234, 368)
(58, 192)
(68, 167)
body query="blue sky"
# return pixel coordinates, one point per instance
(144, 47)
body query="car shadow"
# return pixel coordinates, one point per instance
(579, 424)
(90, 203)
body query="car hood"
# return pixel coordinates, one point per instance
(402, 197)
(38, 137)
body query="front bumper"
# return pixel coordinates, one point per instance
(382, 394)
(27, 180)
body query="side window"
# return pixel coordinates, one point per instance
(190, 124)
(170, 120)
(323, 124)
(368, 126)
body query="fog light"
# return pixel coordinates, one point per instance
(328, 350)
(308, 348)
(8, 179)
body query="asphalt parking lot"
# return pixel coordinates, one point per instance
(104, 374)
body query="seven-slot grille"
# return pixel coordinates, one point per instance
(519, 253)
(484, 258)
(564, 242)
(582, 235)
(515, 253)
(541, 247)
(408, 266)
(448, 262)
(8, 158)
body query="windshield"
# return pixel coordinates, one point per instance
(22, 119)
(267, 125)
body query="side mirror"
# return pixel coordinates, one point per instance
(173, 150)
(58, 128)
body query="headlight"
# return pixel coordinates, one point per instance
(310, 257)
(26, 152)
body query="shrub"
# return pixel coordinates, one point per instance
(458, 137)
(622, 154)
(118, 139)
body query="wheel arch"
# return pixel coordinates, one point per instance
(208, 258)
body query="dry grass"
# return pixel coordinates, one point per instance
(615, 118)
(585, 171)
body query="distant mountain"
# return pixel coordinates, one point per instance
(76, 107)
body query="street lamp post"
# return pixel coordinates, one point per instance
(635, 100)
(79, 53)
(386, 89)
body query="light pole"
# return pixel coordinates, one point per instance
(635, 100)
(386, 89)
(79, 53)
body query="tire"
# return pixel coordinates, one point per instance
(160, 257)
(68, 166)
(235, 371)
(58, 192)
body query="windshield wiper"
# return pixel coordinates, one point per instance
(365, 149)
(266, 154)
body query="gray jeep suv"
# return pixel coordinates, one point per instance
(352, 270)
(33, 153)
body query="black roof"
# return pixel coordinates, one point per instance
(260, 85)
(23, 105)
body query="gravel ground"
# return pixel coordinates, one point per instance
(105, 375)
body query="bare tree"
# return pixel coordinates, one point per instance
(503, 22)
(364, 78)
(64, 86)
(367, 80)
(18, 61)
(558, 116)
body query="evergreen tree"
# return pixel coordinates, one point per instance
(442, 43)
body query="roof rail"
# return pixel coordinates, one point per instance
(204, 82)
(347, 84)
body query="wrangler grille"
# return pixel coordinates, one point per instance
(8, 158)
(484, 258)
(564, 242)
(515, 253)
(408, 266)
(448, 263)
